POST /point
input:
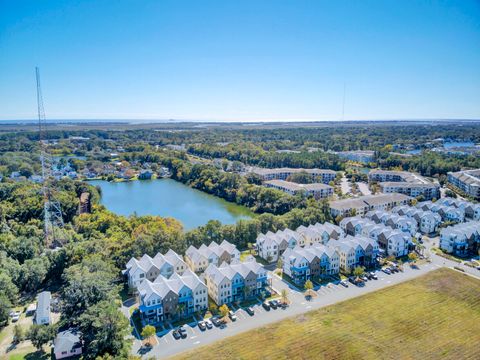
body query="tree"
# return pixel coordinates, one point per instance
(104, 330)
(224, 310)
(412, 257)
(40, 335)
(358, 271)
(284, 294)
(309, 288)
(5, 306)
(148, 333)
(18, 333)
(279, 263)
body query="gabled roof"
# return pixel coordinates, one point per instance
(67, 340)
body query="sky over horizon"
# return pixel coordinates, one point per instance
(241, 60)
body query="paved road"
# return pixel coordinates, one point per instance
(345, 186)
(363, 187)
(326, 295)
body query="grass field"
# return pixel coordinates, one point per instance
(436, 316)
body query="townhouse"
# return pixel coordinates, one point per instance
(393, 220)
(271, 245)
(176, 297)
(319, 175)
(237, 281)
(461, 239)
(319, 233)
(404, 182)
(364, 204)
(392, 242)
(199, 259)
(427, 220)
(447, 213)
(467, 181)
(303, 264)
(317, 190)
(472, 211)
(148, 268)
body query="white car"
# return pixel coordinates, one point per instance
(15, 317)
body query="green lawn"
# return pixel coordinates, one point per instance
(434, 316)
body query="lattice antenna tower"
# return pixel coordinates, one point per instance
(52, 211)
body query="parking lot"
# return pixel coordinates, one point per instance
(324, 295)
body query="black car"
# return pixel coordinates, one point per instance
(202, 326)
(266, 306)
(250, 311)
(176, 334)
(273, 304)
(183, 332)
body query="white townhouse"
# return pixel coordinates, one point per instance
(448, 213)
(427, 221)
(472, 211)
(199, 259)
(176, 297)
(148, 268)
(271, 245)
(461, 239)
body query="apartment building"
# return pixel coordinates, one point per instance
(317, 190)
(237, 281)
(467, 181)
(461, 239)
(364, 204)
(404, 182)
(148, 268)
(199, 259)
(319, 175)
(176, 297)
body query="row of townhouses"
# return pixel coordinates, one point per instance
(461, 239)
(318, 260)
(393, 220)
(316, 190)
(392, 242)
(148, 268)
(236, 281)
(363, 204)
(199, 259)
(319, 175)
(404, 182)
(472, 211)
(270, 246)
(427, 220)
(448, 213)
(467, 181)
(178, 296)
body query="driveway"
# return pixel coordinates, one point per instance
(326, 295)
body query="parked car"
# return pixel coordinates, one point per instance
(373, 275)
(387, 271)
(15, 317)
(183, 332)
(216, 321)
(250, 311)
(232, 315)
(208, 324)
(273, 304)
(266, 306)
(202, 326)
(176, 334)
(393, 269)
(364, 278)
(344, 283)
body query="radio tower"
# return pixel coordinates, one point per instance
(52, 212)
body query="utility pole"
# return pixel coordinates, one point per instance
(52, 212)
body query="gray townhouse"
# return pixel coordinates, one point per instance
(427, 220)
(461, 239)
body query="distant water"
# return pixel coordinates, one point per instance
(169, 198)
(457, 144)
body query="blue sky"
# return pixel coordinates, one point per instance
(241, 60)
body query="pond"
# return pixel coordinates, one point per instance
(169, 198)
